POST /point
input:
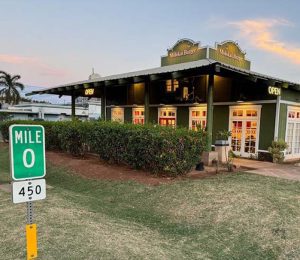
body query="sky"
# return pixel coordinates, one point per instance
(52, 42)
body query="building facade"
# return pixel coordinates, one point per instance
(51, 112)
(203, 87)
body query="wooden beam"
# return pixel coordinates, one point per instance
(177, 74)
(138, 79)
(124, 81)
(108, 83)
(97, 84)
(252, 78)
(155, 77)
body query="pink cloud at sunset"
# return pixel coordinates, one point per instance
(261, 33)
(13, 59)
(34, 66)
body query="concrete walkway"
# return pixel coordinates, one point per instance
(284, 171)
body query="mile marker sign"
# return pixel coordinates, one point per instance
(27, 152)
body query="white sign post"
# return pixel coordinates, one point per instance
(28, 167)
(31, 190)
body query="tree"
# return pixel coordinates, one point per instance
(10, 91)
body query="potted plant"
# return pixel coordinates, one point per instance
(277, 150)
(222, 138)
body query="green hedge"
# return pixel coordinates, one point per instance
(154, 148)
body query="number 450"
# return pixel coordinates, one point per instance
(30, 190)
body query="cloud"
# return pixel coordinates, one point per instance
(13, 59)
(261, 34)
(35, 64)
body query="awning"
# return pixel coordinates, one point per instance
(205, 63)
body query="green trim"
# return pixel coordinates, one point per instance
(108, 114)
(290, 95)
(221, 122)
(282, 121)
(127, 115)
(183, 117)
(267, 125)
(153, 114)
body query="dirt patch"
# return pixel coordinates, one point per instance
(93, 168)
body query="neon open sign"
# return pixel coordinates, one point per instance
(274, 91)
(89, 92)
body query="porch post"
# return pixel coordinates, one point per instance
(73, 111)
(276, 130)
(147, 102)
(103, 104)
(209, 114)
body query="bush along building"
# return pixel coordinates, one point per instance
(208, 87)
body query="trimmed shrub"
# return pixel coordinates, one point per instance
(154, 148)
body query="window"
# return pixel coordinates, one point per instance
(169, 85)
(117, 114)
(138, 116)
(251, 113)
(185, 93)
(172, 85)
(197, 118)
(167, 116)
(237, 112)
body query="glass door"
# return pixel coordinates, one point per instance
(244, 130)
(293, 132)
(197, 118)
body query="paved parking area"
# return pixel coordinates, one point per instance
(285, 171)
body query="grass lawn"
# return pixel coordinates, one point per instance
(238, 216)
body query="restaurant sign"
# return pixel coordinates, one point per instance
(229, 52)
(186, 50)
(274, 91)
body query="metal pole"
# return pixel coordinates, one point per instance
(31, 232)
(29, 213)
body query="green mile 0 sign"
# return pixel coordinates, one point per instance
(27, 152)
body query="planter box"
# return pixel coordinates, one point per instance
(222, 143)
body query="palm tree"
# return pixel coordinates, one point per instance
(10, 92)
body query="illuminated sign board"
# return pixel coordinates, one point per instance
(229, 54)
(175, 54)
(274, 91)
(89, 91)
(186, 50)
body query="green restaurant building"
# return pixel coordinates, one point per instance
(209, 87)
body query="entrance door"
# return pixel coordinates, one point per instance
(293, 133)
(244, 123)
